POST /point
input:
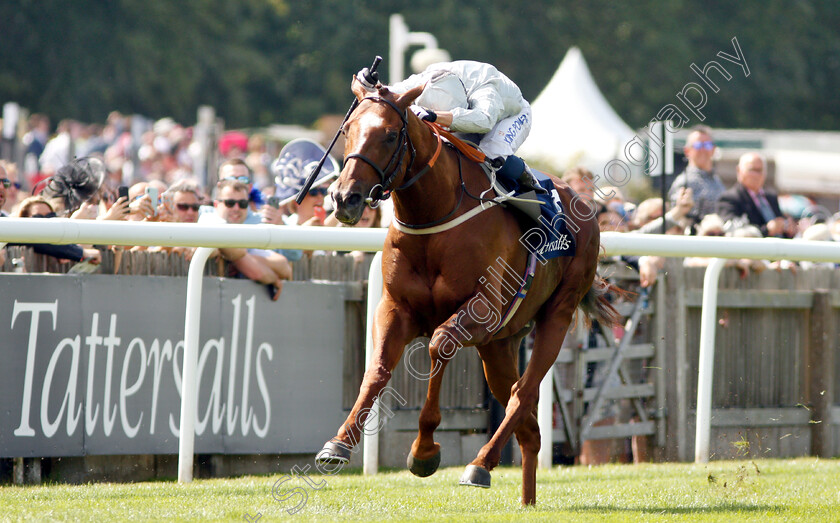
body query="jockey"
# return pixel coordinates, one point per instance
(476, 98)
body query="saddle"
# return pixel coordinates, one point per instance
(545, 211)
(526, 202)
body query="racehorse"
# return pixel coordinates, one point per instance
(434, 269)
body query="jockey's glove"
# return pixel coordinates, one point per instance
(368, 79)
(423, 113)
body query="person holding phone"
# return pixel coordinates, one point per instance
(103, 206)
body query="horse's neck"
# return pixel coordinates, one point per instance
(436, 193)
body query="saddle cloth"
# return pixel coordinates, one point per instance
(550, 237)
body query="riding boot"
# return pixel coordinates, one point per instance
(515, 172)
(527, 182)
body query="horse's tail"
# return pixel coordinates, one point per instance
(596, 305)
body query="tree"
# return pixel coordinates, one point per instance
(263, 61)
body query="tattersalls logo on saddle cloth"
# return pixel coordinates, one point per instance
(551, 237)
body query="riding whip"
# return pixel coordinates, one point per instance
(370, 77)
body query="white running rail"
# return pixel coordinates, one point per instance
(58, 230)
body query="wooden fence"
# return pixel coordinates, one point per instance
(776, 369)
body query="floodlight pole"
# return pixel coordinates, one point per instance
(662, 141)
(399, 41)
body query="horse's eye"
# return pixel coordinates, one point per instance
(391, 137)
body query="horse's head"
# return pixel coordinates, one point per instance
(377, 149)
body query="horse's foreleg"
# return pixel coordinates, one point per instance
(499, 359)
(424, 458)
(461, 329)
(392, 329)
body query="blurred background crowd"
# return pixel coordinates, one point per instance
(76, 170)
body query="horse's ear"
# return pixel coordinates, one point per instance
(358, 89)
(407, 98)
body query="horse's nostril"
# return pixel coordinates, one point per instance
(354, 200)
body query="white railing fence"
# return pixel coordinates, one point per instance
(61, 231)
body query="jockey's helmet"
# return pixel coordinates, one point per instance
(443, 92)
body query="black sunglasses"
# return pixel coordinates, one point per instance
(194, 206)
(318, 191)
(243, 204)
(48, 215)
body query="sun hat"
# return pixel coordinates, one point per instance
(295, 163)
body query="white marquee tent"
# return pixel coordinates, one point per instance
(574, 125)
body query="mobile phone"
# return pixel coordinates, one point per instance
(152, 193)
(167, 200)
(122, 192)
(274, 201)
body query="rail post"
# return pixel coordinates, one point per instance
(186, 441)
(705, 371)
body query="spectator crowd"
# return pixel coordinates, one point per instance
(79, 171)
(85, 172)
(699, 204)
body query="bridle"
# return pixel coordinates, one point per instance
(382, 191)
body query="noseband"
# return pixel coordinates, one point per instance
(382, 190)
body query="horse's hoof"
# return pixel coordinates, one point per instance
(475, 476)
(423, 467)
(333, 453)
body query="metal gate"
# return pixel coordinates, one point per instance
(602, 376)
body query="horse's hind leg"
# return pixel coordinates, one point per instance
(552, 325)
(500, 369)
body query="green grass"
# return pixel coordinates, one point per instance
(806, 489)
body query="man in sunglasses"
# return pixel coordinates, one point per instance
(8, 181)
(186, 201)
(232, 206)
(236, 169)
(706, 186)
(232, 203)
(5, 183)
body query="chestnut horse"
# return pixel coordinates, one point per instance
(432, 280)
